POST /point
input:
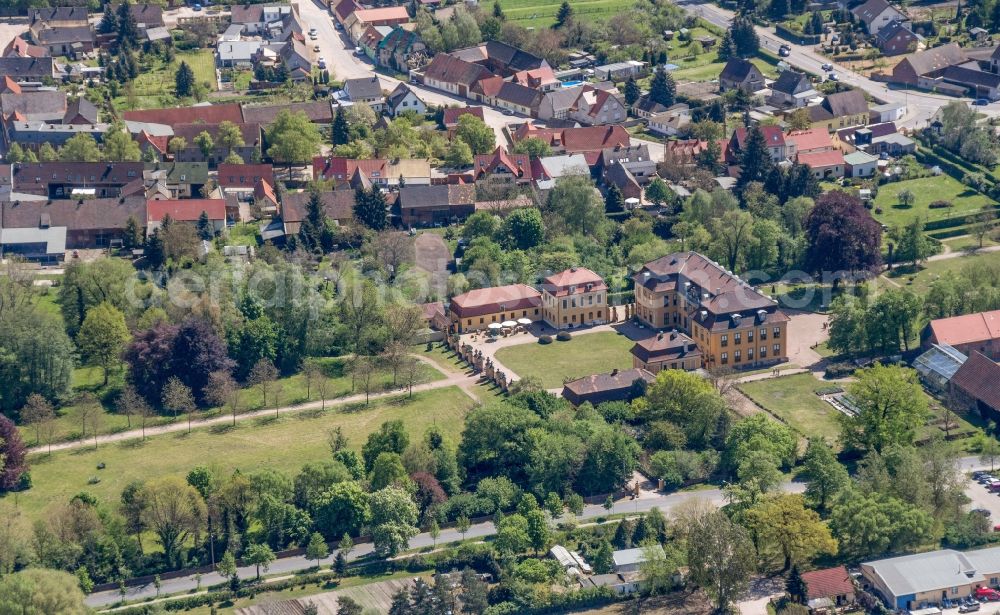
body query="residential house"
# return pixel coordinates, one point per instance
(379, 172)
(973, 388)
(452, 115)
(977, 83)
(318, 112)
(617, 385)
(633, 158)
(33, 134)
(628, 184)
(404, 99)
(621, 584)
(371, 37)
(575, 140)
(237, 54)
(365, 90)
(792, 89)
(338, 205)
(541, 78)
(186, 210)
(861, 137)
(27, 69)
(206, 114)
(807, 142)
(359, 20)
(89, 223)
(20, 48)
(70, 41)
(42, 244)
(80, 111)
(732, 324)
(502, 167)
(683, 152)
(916, 581)
(631, 560)
(250, 150)
(894, 145)
(825, 164)
(897, 38)
(57, 180)
(435, 204)
(645, 107)
(517, 98)
(860, 164)
(64, 16)
(241, 179)
(448, 73)
(741, 74)
(840, 110)
(562, 165)
(673, 350)
(597, 106)
(978, 332)
(145, 15)
(878, 14)
(575, 297)
(773, 136)
(295, 57)
(921, 68)
(829, 588)
(180, 180)
(500, 58)
(261, 18)
(343, 9)
(476, 309)
(557, 104)
(670, 122)
(889, 112)
(620, 71)
(47, 106)
(401, 50)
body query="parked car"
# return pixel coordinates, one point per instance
(827, 67)
(321, 62)
(784, 52)
(981, 511)
(316, 48)
(969, 608)
(987, 593)
(833, 77)
(981, 101)
(196, 7)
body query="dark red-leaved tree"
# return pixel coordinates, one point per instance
(200, 350)
(150, 358)
(13, 453)
(842, 236)
(429, 491)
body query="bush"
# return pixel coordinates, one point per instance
(840, 370)
(545, 339)
(564, 336)
(940, 205)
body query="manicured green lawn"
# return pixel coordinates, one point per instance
(925, 191)
(293, 392)
(283, 444)
(920, 282)
(586, 354)
(794, 399)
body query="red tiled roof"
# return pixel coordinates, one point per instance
(559, 284)
(209, 114)
(606, 383)
(159, 142)
(263, 190)
(518, 165)
(451, 114)
(489, 86)
(967, 329)
(827, 583)
(343, 169)
(806, 140)
(589, 138)
(495, 299)
(186, 210)
(386, 13)
(663, 345)
(822, 159)
(772, 136)
(9, 85)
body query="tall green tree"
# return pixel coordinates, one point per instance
(370, 208)
(825, 477)
(184, 80)
(103, 336)
(891, 407)
(563, 15)
(340, 131)
(662, 88)
(755, 158)
(293, 138)
(631, 91)
(720, 558)
(393, 520)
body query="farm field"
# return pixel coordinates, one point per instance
(926, 190)
(283, 444)
(586, 354)
(543, 14)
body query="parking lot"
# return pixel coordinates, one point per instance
(982, 498)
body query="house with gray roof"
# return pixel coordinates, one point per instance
(792, 89)
(877, 14)
(741, 74)
(27, 69)
(924, 579)
(39, 244)
(366, 90)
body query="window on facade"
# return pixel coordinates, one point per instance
(725, 358)
(736, 357)
(725, 340)
(763, 351)
(564, 304)
(750, 336)
(777, 332)
(481, 321)
(737, 338)
(776, 348)
(763, 333)
(598, 313)
(749, 354)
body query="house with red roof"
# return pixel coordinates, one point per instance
(541, 78)
(830, 588)
(452, 115)
(358, 21)
(581, 139)
(773, 136)
(969, 333)
(573, 298)
(974, 386)
(476, 309)
(807, 141)
(205, 114)
(825, 164)
(448, 73)
(20, 48)
(507, 168)
(186, 210)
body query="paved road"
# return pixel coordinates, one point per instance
(920, 105)
(338, 51)
(647, 501)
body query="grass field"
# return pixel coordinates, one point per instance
(543, 14)
(920, 281)
(794, 399)
(293, 392)
(284, 444)
(154, 87)
(925, 191)
(592, 353)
